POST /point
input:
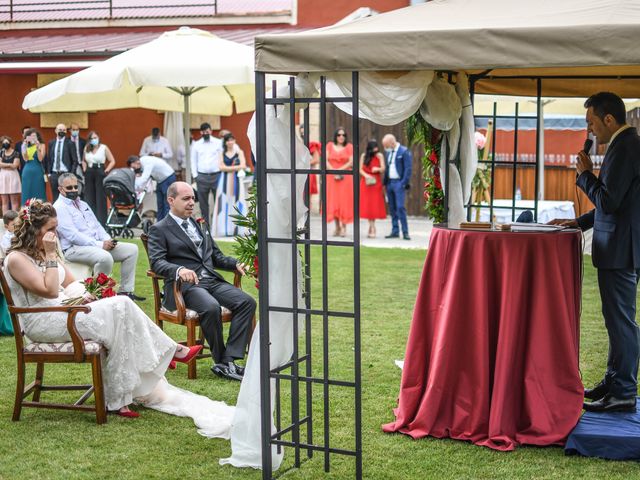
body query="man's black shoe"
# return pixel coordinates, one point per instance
(133, 296)
(393, 235)
(227, 370)
(609, 403)
(598, 391)
(406, 236)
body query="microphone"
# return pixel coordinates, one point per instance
(588, 143)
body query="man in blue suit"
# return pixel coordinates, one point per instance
(616, 246)
(396, 179)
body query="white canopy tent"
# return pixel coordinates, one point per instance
(550, 48)
(186, 70)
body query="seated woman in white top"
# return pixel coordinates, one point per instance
(138, 351)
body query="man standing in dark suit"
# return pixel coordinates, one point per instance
(78, 146)
(397, 176)
(182, 247)
(61, 158)
(616, 245)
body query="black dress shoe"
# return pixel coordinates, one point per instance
(133, 296)
(406, 236)
(609, 403)
(393, 235)
(598, 391)
(227, 370)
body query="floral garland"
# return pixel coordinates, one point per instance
(420, 132)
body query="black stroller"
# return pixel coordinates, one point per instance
(126, 206)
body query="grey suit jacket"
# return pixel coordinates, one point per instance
(171, 248)
(616, 196)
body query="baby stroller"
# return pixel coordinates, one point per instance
(126, 206)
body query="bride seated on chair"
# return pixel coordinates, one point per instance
(138, 351)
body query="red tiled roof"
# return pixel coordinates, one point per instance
(65, 10)
(87, 45)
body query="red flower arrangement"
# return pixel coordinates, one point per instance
(100, 286)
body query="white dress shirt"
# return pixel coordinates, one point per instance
(393, 172)
(58, 152)
(153, 167)
(158, 145)
(77, 224)
(205, 156)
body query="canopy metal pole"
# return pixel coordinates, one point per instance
(186, 130)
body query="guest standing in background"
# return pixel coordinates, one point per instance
(10, 186)
(96, 164)
(205, 168)
(231, 194)
(396, 180)
(339, 187)
(33, 177)
(371, 197)
(157, 169)
(62, 158)
(156, 145)
(314, 149)
(19, 147)
(78, 144)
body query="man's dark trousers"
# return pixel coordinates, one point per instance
(618, 290)
(395, 196)
(203, 299)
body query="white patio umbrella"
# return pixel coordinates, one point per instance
(186, 70)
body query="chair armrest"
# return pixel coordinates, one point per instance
(237, 280)
(71, 311)
(152, 274)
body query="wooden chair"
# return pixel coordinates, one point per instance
(75, 351)
(183, 315)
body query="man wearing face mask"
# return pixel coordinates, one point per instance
(147, 167)
(205, 168)
(156, 145)
(61, 158)
(78, 146)
(84, 240)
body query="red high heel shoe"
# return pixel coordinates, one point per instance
(172, 365)
(127, 414)
(193, 351)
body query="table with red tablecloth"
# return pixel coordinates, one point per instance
(492, 353)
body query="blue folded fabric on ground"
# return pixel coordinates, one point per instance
(615, 436)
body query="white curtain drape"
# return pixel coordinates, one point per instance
(173, 132)
(245, 433)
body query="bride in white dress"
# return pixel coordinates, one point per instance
(138, 351)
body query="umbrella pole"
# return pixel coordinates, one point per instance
(186, 124)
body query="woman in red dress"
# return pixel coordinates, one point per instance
(371, 197)
(340, 187)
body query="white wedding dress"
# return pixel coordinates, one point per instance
(138, 352)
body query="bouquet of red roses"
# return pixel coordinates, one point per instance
(100, 286)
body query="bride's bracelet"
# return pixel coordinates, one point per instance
(51, 264)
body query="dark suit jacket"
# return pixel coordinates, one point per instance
(403, 165)
(616, 196)
(69, 156)
(171, 248)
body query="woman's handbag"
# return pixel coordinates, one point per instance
(370, 181)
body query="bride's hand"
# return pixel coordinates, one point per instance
(50, 244)
(88, 298)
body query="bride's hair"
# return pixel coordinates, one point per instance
(31, 218)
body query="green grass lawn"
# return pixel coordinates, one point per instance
(63, 445)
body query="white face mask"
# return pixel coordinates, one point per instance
(388, 150)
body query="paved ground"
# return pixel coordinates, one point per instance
(419, 231)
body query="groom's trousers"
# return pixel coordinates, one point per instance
(206, 298)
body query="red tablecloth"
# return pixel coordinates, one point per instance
(492, 354)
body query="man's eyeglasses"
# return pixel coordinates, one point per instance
(70, 188)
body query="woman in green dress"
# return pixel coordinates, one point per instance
(33, 152)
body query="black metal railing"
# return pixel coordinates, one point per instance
(20, 11)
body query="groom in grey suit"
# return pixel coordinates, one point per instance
(181, 247)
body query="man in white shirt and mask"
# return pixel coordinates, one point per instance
(83, 240)
(147, 167)
(205, 167)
